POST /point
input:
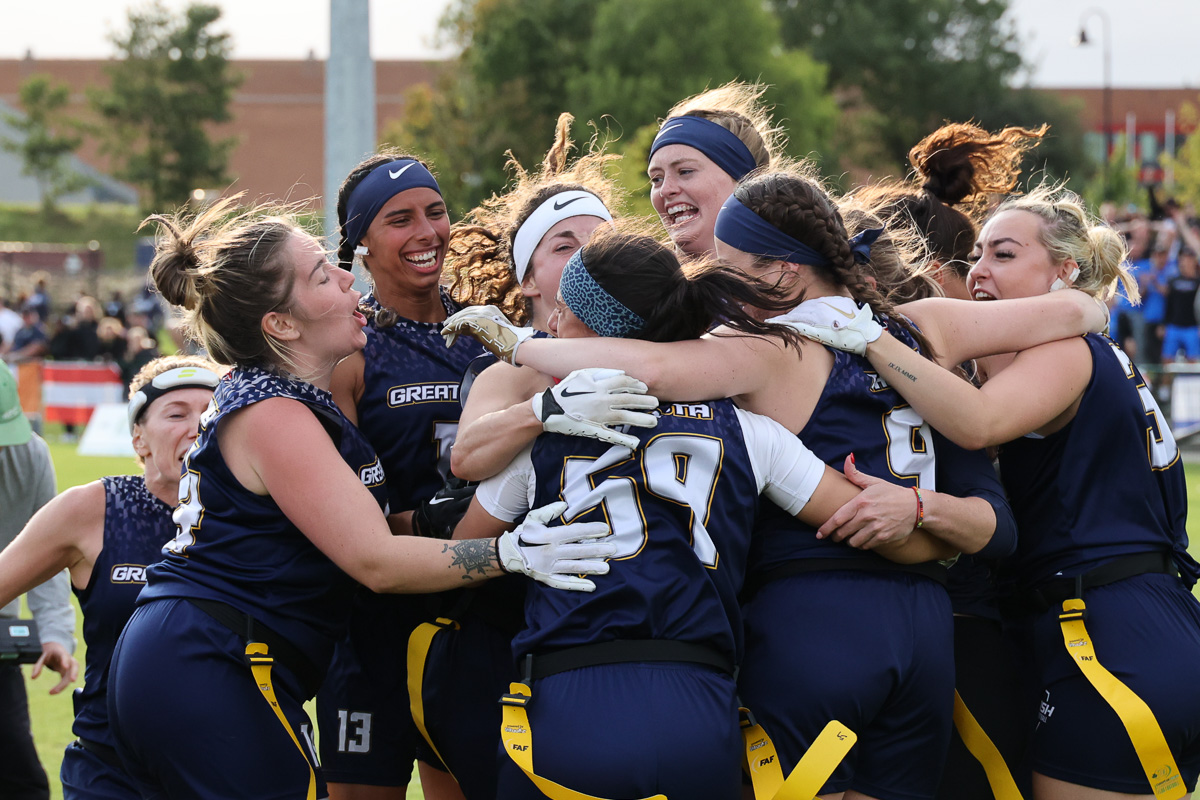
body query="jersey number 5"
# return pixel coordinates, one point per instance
(676, 467)
(1160, 442)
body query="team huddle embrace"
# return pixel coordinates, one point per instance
(757, 500)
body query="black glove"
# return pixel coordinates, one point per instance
(437, 517)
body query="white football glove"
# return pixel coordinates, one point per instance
(590, 402)
(556, 556)
(834, 321)
(489, 325)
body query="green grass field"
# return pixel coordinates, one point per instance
(52, 716)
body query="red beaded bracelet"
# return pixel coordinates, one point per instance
(920, 508)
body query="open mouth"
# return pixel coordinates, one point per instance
(360, 318)
(424, 261)
(980, 294)
(680, 213)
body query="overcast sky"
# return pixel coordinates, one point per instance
(1155, 43)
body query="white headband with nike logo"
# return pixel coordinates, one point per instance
(564, 205)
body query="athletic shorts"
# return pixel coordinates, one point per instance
(86, 776)
(873, 650)
(1185, 340)
(188, 718)
(1146, 632)
(633, 730)
(367, 733)
(989, 676)
(466, 673)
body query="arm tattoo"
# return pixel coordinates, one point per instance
(902, 371)
(474, 556)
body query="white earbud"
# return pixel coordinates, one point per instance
(361, 250)
(1059, 284)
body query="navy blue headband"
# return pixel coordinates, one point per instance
(739, 227)
(726, 150)
(382, 184)
(594, 306)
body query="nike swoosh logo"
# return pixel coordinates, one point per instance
(560, 206)
(521, 541)
(669, 128)
(838, 310)
(401, 171)
(569, 393)
(440, 500)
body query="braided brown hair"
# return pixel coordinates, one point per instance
(798, 206)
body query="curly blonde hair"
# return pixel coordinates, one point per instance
(479, 261)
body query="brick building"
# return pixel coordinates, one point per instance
(278, 115)
(1153, 115)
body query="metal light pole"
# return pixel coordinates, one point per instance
(349, 100)
(1082, 39)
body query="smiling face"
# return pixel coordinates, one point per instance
(547, 262)
(687, 190)
(406, 245)
(166, 430)
(1011, 261)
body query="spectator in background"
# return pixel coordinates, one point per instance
(1153, 285)
(61, 335)
(146, 310)
(115, 307)
(26, 484)
(1140, 234)
(1128, 324)
(85, 343)
(140, 350)
(10, 323)
(110, 334)
(31, 341)
(40, 299)
(1182, 333)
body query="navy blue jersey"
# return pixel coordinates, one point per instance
(859, 413)
(971, 581)
(136, 525)
(1108, 484)
(237, 547)
(410, 408)
(681, 508)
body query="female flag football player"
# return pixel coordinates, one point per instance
(236, 626)
(106, 533)
(1097, 484)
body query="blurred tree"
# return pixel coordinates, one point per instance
(436, 127)
(1061, 156)
(48, 138)
(1122, 186)
(916, 62)
(639, 63)
(619, 63)
(170, 82)
(1186, 163)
